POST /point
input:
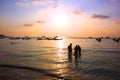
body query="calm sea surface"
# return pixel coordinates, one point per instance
(48, 60)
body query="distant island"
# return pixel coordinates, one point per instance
(2, 36)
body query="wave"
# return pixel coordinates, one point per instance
(102, 51)
(43, 71)
(105, 72)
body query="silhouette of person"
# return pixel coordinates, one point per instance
(76, 50)
(70, 48)
(79, 49)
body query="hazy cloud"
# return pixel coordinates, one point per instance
(33, 2)
(38, 2)
(100, 16)
(22, 3)
(40, 21)
(77, 12)
(41, 2)
(49, 1)
(28, 25)
(117, 22)
(54, 6)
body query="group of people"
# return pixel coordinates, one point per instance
(77, 49)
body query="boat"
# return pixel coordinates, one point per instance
(49, 38)
(57, 38)
(14, 38)
(116, 40)
(26, 38)
(98, 39)
(42, 38)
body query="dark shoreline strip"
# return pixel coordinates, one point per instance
(43, 71)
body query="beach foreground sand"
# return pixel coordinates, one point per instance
(7, 73)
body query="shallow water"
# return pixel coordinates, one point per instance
(48, 60)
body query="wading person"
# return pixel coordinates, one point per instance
(70, 49)
(79, 49)
(76, 50)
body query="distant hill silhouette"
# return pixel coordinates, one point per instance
(2, 36)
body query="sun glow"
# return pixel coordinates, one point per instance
(60, 44)
(61, 20)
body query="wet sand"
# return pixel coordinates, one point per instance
(10, 72)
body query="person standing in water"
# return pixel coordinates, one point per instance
(76, 50)
(79, 49)
(70, 48)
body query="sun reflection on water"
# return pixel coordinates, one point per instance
(61, 59)
(60, 44)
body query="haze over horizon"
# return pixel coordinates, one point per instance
(69, 18)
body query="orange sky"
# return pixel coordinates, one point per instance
(60, 19)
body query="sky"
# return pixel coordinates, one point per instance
(70, 18)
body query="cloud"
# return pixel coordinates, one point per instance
(41, 2)
(22, 3)
(41, 21)
(28, 25)
(54, 6)
(38, 2)
(77, 12)
(49, 1)
(117, 21)
(100, 16)
(33, 2)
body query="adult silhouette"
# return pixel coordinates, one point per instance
(70, 48)
(76, 50)
(79, 49)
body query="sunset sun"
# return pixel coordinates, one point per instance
(61, 20)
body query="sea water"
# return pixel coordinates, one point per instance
(48, 60)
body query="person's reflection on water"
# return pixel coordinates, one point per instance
(77, 60)
(70, 61)
(70, 58)
(77, 56)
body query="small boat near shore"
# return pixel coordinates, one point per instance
(116, 40)
(98, 39)
(26, 38)
(42, 38)
(57, 38)
(14, 38)
(49, 38)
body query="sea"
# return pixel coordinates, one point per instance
(48, 59)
